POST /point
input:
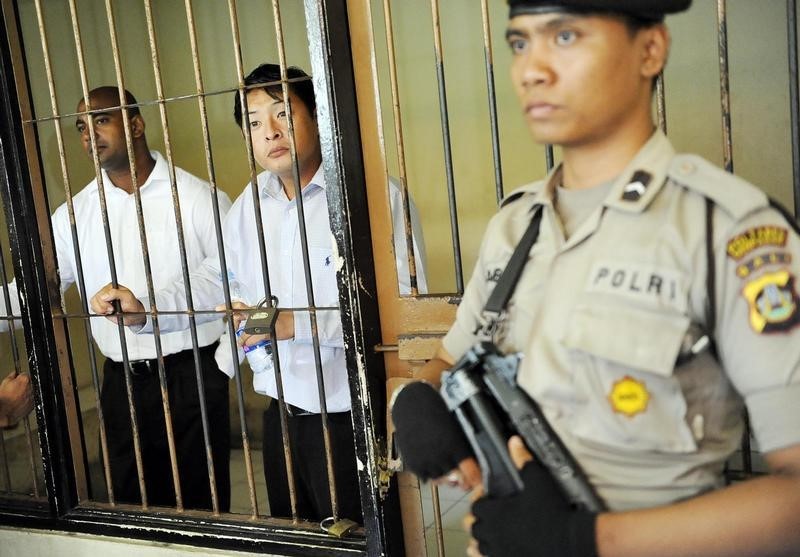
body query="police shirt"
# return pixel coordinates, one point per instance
(601, 318)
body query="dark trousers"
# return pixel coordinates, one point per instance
(310, 468)
(184, 405)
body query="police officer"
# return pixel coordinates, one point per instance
(659, 300)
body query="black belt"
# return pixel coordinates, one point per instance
(295, 411)
(150, 367)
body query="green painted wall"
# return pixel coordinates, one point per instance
(760, 108)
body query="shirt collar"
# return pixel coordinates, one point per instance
(648, 168)
(637, 185)
(269, 184)
(160, 173)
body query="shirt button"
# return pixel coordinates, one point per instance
(687, 167)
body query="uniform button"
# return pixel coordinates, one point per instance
(687, 167)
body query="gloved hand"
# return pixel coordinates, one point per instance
(430, 441)
(536, 522)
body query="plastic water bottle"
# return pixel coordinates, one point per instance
(259, 355)
(235, 289)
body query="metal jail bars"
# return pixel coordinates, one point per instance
(20, 460)
(415, 90)
(49, 122)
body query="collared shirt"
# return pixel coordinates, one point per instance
(287, 282)
(287, 278)
(601, 318)
(163, 247)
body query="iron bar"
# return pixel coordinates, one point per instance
(7, 299)
(81, 284)
(724, 84)
(661, 103)
(17, 370)
(333, 56)
(221, 312)
(109, 249)
(201, 101)
(6, 467)
(301, 222)
(185, 272)
(490, 85)
(794, 100)
(112, 29)
(727, 150)
(262, 251)
(448, 154)
(401, 150)
(140, 104)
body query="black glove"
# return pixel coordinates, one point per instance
(430, 441)
(536, 522)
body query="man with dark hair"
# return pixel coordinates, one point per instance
(267, 77)
(267, 122)
(658, 300)
(154, 185)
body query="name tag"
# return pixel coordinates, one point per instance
(645, 283)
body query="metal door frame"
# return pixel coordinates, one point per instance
(28, 216)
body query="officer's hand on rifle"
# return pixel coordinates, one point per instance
(536, 522)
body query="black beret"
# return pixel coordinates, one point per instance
(645, 9)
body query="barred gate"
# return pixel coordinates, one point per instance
(414, 91)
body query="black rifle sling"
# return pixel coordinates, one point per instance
(508, 280)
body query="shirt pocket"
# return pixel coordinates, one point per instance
(323, 276)
(623, 362)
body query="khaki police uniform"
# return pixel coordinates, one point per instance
(602, 317)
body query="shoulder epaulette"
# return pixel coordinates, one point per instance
(522, 191)
(732, 194)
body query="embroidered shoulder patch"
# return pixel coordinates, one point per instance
(629, 396)
(754, 238)
(773, 302)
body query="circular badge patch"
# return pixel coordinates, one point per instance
(629, 396)
(773, 302)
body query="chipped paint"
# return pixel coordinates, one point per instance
(337, 259)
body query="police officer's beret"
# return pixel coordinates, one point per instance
(645, 9)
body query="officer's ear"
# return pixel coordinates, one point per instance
(654, 42)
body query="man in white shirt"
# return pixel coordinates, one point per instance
(93, 269)
(277, 189)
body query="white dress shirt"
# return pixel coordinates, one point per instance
(287, 281)
(162, 238)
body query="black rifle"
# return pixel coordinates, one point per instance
(482, 390)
